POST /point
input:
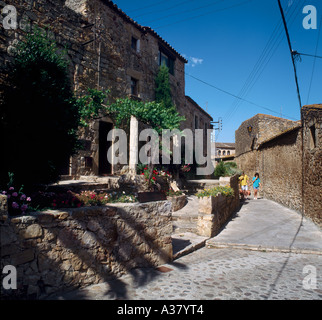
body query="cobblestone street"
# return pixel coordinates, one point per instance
(208, 274)
(249, 272)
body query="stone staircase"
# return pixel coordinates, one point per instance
(185, 238)
(185, 219)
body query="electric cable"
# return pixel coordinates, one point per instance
(315, 56)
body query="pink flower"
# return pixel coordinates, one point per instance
(15, 205)
(3, 192)
(28, 199)
(15, 194)
(23, 197)
(24, 207)
(11, 188)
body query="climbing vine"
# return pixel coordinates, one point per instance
(151, 113)
(91, 106)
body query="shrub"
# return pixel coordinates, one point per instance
(18, 201)
(220, 170)
(38, 116)
(225, 191)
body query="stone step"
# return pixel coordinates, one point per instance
(185, 243)
(182, 226)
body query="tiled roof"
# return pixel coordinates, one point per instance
(296, 127)
(313, 106)
(144, 29)
(225, 145)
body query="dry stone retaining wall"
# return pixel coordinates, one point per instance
(215, 212)
(58, 250)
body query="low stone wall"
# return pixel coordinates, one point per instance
(215, 212)
(59, 250)
(178, 202)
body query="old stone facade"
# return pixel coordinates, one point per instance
(106, 50)
(221, 151)
(312, 161)
(60, 250)
(287, 156)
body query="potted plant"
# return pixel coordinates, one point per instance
(156, 180)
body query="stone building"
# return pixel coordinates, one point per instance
(223, 151)
(288, 157)
(106, 50)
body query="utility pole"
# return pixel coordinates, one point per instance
(219, 128)
(292, 53)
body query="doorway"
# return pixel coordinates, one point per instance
(104, 167)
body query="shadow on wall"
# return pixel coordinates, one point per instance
(62, 251)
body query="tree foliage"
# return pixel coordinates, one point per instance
(39, 116)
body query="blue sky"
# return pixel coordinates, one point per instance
(238, 48)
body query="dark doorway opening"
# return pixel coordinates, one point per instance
(64, 167)
(104, 167)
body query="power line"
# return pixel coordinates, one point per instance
(166, 9)
(291, 52)
(204, 14)
(306, 54)
(145, 7)
(315, 56)
(186, 11)
(265, 57)
(234, 95)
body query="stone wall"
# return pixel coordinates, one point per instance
(264, 127)
(288, 157)
(61, 250)
(215, 212)
(279, 167)
(109, 62)
(312, 162)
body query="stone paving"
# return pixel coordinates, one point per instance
(248, 271)
(208, 274)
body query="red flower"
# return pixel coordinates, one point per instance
(154, 178)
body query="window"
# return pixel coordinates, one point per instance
(134, 87)
(89, 162)
(228, 153)
(219, 152)
(224, 153)
(135, 44)
(312, 137)
(165, 60)
(196, 122)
